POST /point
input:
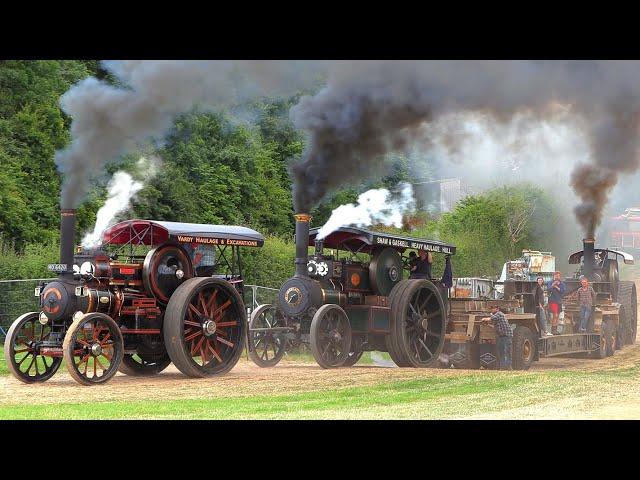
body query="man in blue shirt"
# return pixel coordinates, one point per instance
(556, 289)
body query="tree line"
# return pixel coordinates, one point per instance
(217, 168)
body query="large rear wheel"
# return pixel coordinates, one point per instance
(22, 350)
(418, 324)
(204, 327)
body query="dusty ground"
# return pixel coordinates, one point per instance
(246, 379)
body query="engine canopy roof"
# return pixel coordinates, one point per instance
(362, 240)
(575, 258)
(153, 232)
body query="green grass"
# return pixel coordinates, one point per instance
(430, 397)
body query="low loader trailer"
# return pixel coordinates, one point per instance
(613, 323)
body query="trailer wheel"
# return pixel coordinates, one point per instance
(267, 347)
(611, 343)
(524, 348)
(22, 350)
(93, 349)
(330, 336)
(601, 351)
(418, 324)
(204, 327)
(627, 297)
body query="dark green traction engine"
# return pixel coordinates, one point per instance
(353, 300)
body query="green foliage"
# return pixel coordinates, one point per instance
(32, 127)
(270, 265)
(495, 226)
(30, 262)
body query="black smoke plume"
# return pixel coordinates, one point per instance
(369, 109)
(108, 121)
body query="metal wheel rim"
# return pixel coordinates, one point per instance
(424, 326)
(211, 329)
(333, 339)
(96, 350)
(265, 343)
(24, 350)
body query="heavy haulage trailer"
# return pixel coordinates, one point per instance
(613, 323)
(354, 300)
(142, 300)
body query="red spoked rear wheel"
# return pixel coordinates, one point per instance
(205, 327)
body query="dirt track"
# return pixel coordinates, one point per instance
(246, 379)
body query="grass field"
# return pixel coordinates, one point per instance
(608, 393)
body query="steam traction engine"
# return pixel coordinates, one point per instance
(154, 293)
(345, 306)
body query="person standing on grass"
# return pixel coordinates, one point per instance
(538, 299)
(586, 300)
(504, 336)
(556, 289)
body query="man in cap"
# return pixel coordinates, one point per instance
(504, 336)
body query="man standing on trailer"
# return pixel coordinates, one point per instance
(504, 337)
(556, 289)
(586, 299)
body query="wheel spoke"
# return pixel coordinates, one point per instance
(214, 352)
(197, 347)
(212, 300)
(432, 314)
(217, 314)
(226, 342)
(231, 323)
(193, 324)
(425, 346)
(193, 335)
(424, 304)
(195, 310)
(203, 304)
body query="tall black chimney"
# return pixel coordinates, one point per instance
(589, 257)
(67, 237)
(302, 243)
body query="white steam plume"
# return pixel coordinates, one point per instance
(122, 188)
(374, 207)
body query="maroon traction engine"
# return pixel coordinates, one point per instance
(152, 294)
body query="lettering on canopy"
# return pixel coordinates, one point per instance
(217, 241)
(413, 244)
